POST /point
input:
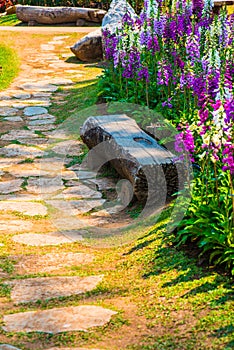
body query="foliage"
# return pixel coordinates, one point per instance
(4, 4)
(179, 60)
(8, 71)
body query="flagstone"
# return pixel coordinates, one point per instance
(76, 318)
(13, 119)
(69, 147)
(11, 186)
(41, 121)
(39, 86)
(75, 207)
(51, 262)
(80, 191)
(26, 208)
(14, 226)
(29, 111)
(42, 127)
(8, 347)
(43, 288)
(21, 151)
(46, 47)
(40, 240)
(22, 95)
(45, 185)
(61, 81)
(41, 116)
(19, 197)
(18, 134)
(72, 349)
(70, 223)
(27, 170)
(6, 162)
(7, 111)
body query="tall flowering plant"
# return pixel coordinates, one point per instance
(179, 60)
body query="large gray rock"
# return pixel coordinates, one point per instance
(89, 48)
(113, 19)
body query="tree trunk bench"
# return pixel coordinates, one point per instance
(58, 15)
(134, 154)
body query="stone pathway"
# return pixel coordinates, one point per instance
(36, 185)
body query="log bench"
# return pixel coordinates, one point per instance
(135, 155)
(58, 15)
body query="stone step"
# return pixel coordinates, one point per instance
(44, 288)
(76, 318)
(54, 238)
(51, 262)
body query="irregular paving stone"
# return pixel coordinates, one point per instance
(40, 240)
(71, 223)
(22, 95)
(5, 162)
(42, 127)
(21, 151)
(7, 226)
(77, 318)
(11, 186)
(52, 262)
(40, 86)
(61, 81)
(18, 134)
(45, 185)
(72, 349)
(8, 347)
(14, 119)
(47, 47)
(25, 208)
(27, 170)
(42, 288)
(41, 116)
(29, 111)
(7, 111)
(19, 197)
(75, 207)
(69, 147)
(80, 191)
(57, 134)
(41, 122)
(30, 103)
(103, 183)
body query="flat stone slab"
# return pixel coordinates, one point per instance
(45, 185)
(7, 226)
(42, 288)
(21, 151)
(80, 191)
(27, 170)
(22, 95)
(6, 162)
(18, 135)
(8, 347)
(42, 127)
(7, 111)
(40, 240)
(39, 86)
(69, 147)
(11, 186)
(29, 111)
(26, 208)
(41, 121)
(41, 116)
(75, 207)
(77, 318)
(51, 262)
(14, 119)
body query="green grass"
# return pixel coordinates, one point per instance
(9, 65)
(10, 20)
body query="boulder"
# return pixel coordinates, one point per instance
(89, 48)
(58, 15)
(113, 18)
